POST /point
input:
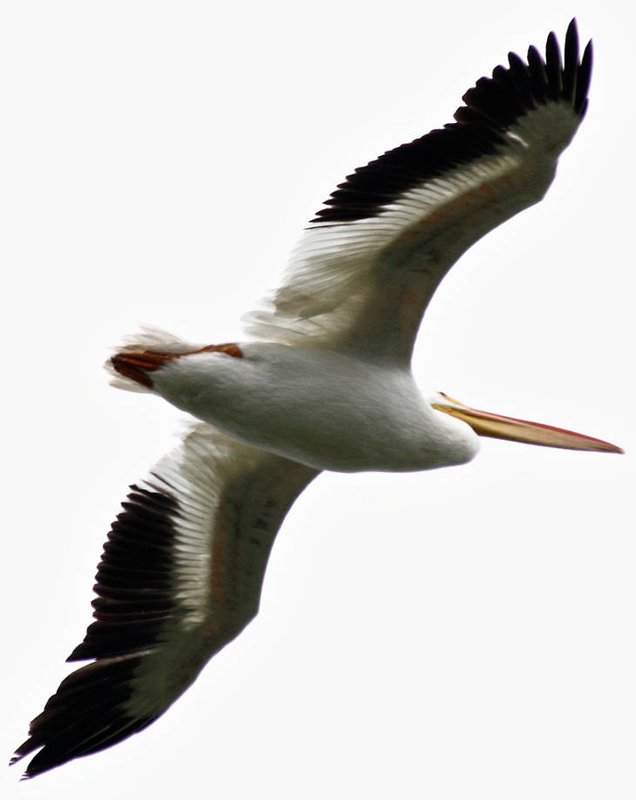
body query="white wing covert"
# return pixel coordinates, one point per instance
(369, 263)
(179, 578)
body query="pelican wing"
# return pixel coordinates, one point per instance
(179, 578)
(370, 261)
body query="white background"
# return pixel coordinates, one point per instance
(465, 633)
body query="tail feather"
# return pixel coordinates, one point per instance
(132, 364)
(128, 364)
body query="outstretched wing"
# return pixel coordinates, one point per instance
(370, 261)
(180, 577)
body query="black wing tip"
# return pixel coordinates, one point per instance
(134, 598)
(489, 109)
(50, 757)
(540, 79)
(86, 714)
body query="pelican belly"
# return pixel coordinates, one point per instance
(325, 409)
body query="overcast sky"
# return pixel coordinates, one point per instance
(457, 634)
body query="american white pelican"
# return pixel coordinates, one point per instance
(324, 384)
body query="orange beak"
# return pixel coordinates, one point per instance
(497, 426)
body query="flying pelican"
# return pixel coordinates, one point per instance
(324, 384)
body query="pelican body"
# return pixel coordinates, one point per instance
(324, 383)
(332, 411)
